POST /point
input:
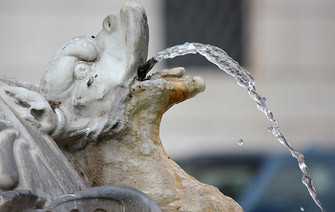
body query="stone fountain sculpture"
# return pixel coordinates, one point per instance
(93, 123)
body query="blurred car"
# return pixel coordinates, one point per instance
(268, 183)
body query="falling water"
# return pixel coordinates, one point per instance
(243, 78)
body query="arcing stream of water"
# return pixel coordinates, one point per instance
(243, 78)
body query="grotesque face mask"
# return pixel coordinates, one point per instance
(91, 81)
(86, 81)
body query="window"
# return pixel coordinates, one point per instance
(215, 22)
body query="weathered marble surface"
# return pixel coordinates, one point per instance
(30, 159)
(105, 121)
(135, 156)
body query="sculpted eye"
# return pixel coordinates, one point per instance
(81, 70)
(110, 23)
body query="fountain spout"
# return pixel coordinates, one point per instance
(144, 69)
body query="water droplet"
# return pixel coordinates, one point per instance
(302, 208)
(241, 142)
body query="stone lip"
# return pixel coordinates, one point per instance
(17, 200)
(105, 198)
(175, 85)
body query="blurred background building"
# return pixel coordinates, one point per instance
(288, 45)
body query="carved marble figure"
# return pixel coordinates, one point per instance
(93, 122)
